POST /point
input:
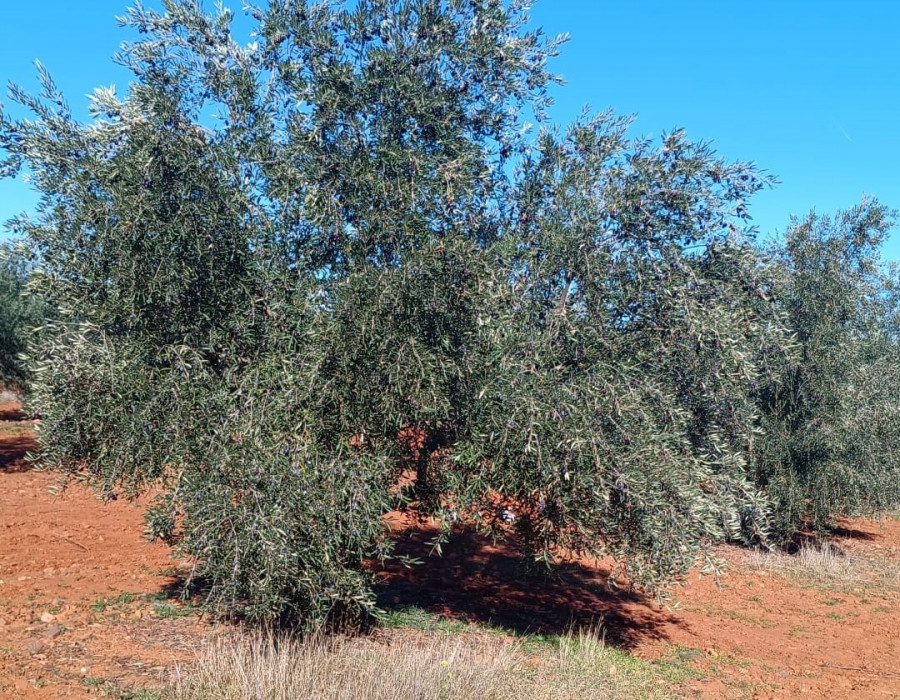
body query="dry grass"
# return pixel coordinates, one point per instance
(421, 666)
(827, 567)
(269, 668)
(16, 429)
(7, 396)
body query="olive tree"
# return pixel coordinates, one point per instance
(830, 412)
(364, 285)
(20, 313)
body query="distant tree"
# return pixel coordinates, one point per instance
(20, 312)
(831, 413)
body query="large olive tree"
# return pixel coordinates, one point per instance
(365, 285)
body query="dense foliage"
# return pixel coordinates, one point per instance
(830, 415)
(20, 314)
(365, 285)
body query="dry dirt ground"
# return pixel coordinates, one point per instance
(85, 601)
(86, 606)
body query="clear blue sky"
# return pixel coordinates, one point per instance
(808, 89)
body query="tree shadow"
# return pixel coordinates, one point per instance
(479, 581)
(12, 452)
(827, 536)
(850, 533)
(12, 413)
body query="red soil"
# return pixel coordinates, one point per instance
(753, 635)
(66, 629)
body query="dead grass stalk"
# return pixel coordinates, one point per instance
(825, 566)
(421, 666)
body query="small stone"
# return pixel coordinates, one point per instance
(53, 631)
(35, 647)
(47, 617)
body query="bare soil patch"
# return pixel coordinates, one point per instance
(84, 599)
(86, 606)
(786, 632)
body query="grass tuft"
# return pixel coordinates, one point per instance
(276, 668)
(425, 665)
(826, 567)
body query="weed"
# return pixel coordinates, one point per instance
(687, 654)
(796, 631)
(426, 663)
(112, 689)
(827, 568)
(166, 610)
(93, 682)
(749, 619)
(120, 600)
(139, 694)
(419, 619)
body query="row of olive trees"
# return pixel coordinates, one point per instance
(365, 286)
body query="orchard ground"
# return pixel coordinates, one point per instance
(88, 608)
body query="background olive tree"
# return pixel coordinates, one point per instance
(830, 413)
(20, 313)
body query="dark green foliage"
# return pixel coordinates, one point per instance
(365, 287)
(830, 413)
(20, 312)
(587, 424)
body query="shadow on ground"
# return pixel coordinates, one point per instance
(12, 452)
(16, 437)
(831, 536)
(851, 533)
(11, 412)
(478, 581)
